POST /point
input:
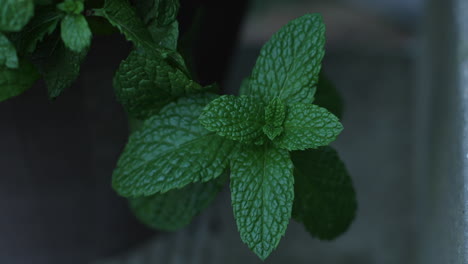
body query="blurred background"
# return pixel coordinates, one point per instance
(400, 66)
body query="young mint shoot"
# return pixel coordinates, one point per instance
(270, 143)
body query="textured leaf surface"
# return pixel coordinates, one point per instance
(42, 24)
(165, 36)
(237, 118)
(144, 83)
(262, 195)
(14, 14)
(289, 63)
(75, 32)
(123, 16)
(171, 150)
(8, 56)
(308, 126)
(58, 65)
(325, 200)
(71, 6)
(275, 113)
(15, 81)
(328, 97)
(175, 209)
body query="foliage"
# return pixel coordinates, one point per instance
(272, 138)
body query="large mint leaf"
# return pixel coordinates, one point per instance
(42, 24)
(171, 150)
(145, 82)
(14, 14)
(75, 32)
(8, 56)
(15, 81)
(289, 63)
(328, 97)
(123, 16)
(175, 209)
(262, 196)
(237, 118)
(325, 200)
(58, 65)
(308, 126)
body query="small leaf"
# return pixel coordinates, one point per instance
(325, 200)
(7, 53)
(15, 81)
(262, 195)
(71, 6)
(58, 65)
(328, 97)
(15, 14)
(237, 118)
(289, 63)
(175, 209)
(145, 82)
(171, 150)
(75, 32)
(42, 24)
(308, 126)
(166, 36)
(275, 113)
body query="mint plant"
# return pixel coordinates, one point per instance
(271, 143)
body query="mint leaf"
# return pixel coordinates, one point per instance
(262, 195)
(124, 17)
(328, 97)
(275, 113)
(289, 63)
(308, 126)
(14, 14)
(145, 82)
(42, 24)
(171, 150)
(75, 32)
(7, 53)
(325, 200)
(15, 81)
(58, 65)
(71, 6)
(237, 118)
(166, 36)
(175, 209)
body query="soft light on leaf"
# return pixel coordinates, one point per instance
(308, 126)
(15, 81)
(289, 63)
(15, 14)
(171, 150)
(262, 195)
(75, 32)
(8, 56)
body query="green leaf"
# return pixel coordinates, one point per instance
(71, 6)
(162, 12)
(289, 63)
(175, 209)
(325, 200)
(308, 126)
(145, 82)
(15, 81)
(124, 17)
(75, 32)
(58, 65)
(166, 36)
(275, 114)
(14, 14)
(328, 97)
(42, 24)
(237, 118)
(171, 150)
(7, 53)
(262, 195)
